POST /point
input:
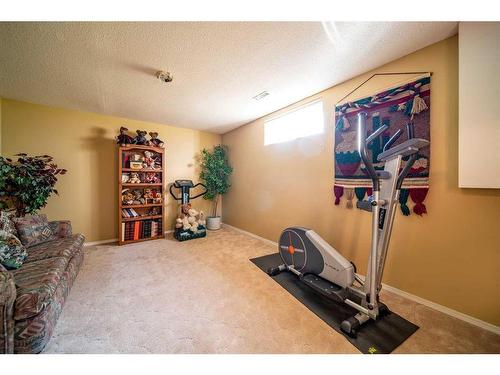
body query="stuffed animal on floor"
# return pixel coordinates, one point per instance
(178, 223)
(154, 141)
(201, 218)
(185, 208)
(123, 138)
(190, 219)
(140, 138)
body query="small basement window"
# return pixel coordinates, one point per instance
(301, 122)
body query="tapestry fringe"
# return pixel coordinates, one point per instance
(403, 199)
(418, 197)
(349, 193)
(360, 193)
(338, 191)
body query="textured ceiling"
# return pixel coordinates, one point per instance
(218, 66)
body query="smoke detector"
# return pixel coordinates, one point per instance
(164, 76)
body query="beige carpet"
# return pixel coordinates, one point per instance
(205, 296)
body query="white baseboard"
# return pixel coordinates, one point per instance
(446, 310)
(94, 243)
(251, 235)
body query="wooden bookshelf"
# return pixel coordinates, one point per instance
(150, 222)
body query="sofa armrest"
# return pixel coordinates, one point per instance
(7, 299)
(61, 228)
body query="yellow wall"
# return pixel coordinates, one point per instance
(450, 256)
(84, 144)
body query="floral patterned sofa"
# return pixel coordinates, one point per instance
(32, 297)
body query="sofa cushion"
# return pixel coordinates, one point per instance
(7, 223)
(12, 252)
(36, 284)
(60, 247)
(33, 229)
(61, 228)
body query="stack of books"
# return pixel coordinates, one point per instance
(129, 212)
(136, 230)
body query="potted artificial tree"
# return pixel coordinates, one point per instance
(28, 182)
(215, 172)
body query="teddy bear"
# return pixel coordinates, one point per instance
(134, 178)
(151, 178)
(185, 208)
(127, 197)
(178, 223)
(157, 197)
(140, 138)
(149, 161)
(201, 218)
(123, 138)
(154, 141)
(148, 195)
(125, 178)
(185, 224)
(138, 198)
(192, 212)
(194, 227)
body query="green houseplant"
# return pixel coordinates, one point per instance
(215, 173)
(28, 182)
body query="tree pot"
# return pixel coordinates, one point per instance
(213, 222)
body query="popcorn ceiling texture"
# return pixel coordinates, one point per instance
(205, 296)
(109, 68)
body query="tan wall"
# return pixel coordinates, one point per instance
(83, 143)
(450, 256)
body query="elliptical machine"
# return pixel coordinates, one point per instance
(317, 264)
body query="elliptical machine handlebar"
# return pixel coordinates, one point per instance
(411, 147)
(363, 142)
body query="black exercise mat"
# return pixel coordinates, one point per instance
(383, 337)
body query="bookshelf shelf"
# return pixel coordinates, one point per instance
(141, 218)
(140, 185)
(140, 221)
(142, 170)
(142, 205)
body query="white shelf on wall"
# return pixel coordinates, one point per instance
(479, 99)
